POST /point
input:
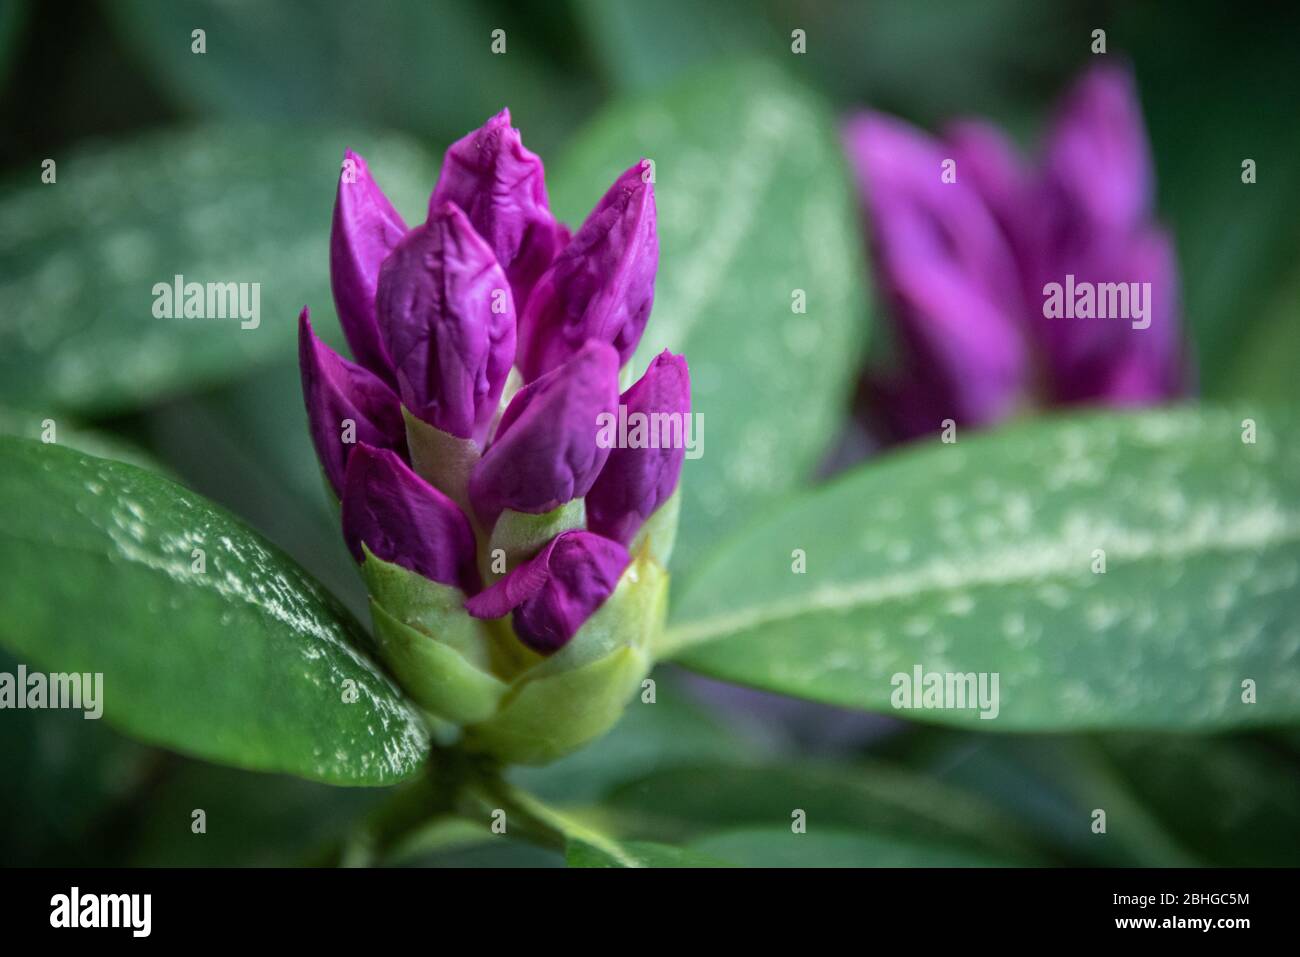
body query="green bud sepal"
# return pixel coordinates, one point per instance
(513, 704)
(573, 697)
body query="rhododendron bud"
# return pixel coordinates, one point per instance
(365, 230)
(545, 451)
(448, 324)
(402, 519)
(501, 186)
(600, 286)
(638, 479)
(500, 608)
(346, 405)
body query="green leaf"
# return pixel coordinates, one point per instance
(1171, 800)
(494, 852)
(426, 67)
(641, 47)
(831, 847)
(1052, 784)
(246, 446)
(753, 205)
(79, 259)
(978, 557)
(1267, 363)
(245, 661)
(683, 804)
(1234, 801)
(637, 854)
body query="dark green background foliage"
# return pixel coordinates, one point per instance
(222, 166)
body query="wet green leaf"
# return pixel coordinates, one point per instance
(982, 556)
(80, 258)
(210, 641)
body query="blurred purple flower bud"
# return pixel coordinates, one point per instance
(448, 322)
(637, 480)
(346, 405)
(545, 451)
(404, 520)
(1097, 158)
(557, 590)
(988, 162)
(961, 357)
(601, 286)
(365, 230)
(501, 186)
(949, 276)
(965, 265)
(1093, 225)
(1124, 361)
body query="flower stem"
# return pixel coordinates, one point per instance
(540, 823)
(465, 786)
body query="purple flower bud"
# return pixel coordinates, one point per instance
(557, 590)
(448, 322)
(966, 266)
(962, 359)
(365, 230)
(1093, 225)
(988, 161)
(949, 276)
(404, 520)
(637, 480)
(501, 186)
(545, 451)
(1097, 157)
(601, 286)
(346, 405)
(1117, 361)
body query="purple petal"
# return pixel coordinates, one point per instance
(984, 153)
(554, 593)
(448, 321)
(1106, 359)
(404, 520)
(501, 186)
(545, 451)
(1093, 222)
(336, 390)
(365, 230)
(962, 357)
(950, 279)
(601, 286)
(988, 161)
(915, 215)
(1097, 157)
(636, 481)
